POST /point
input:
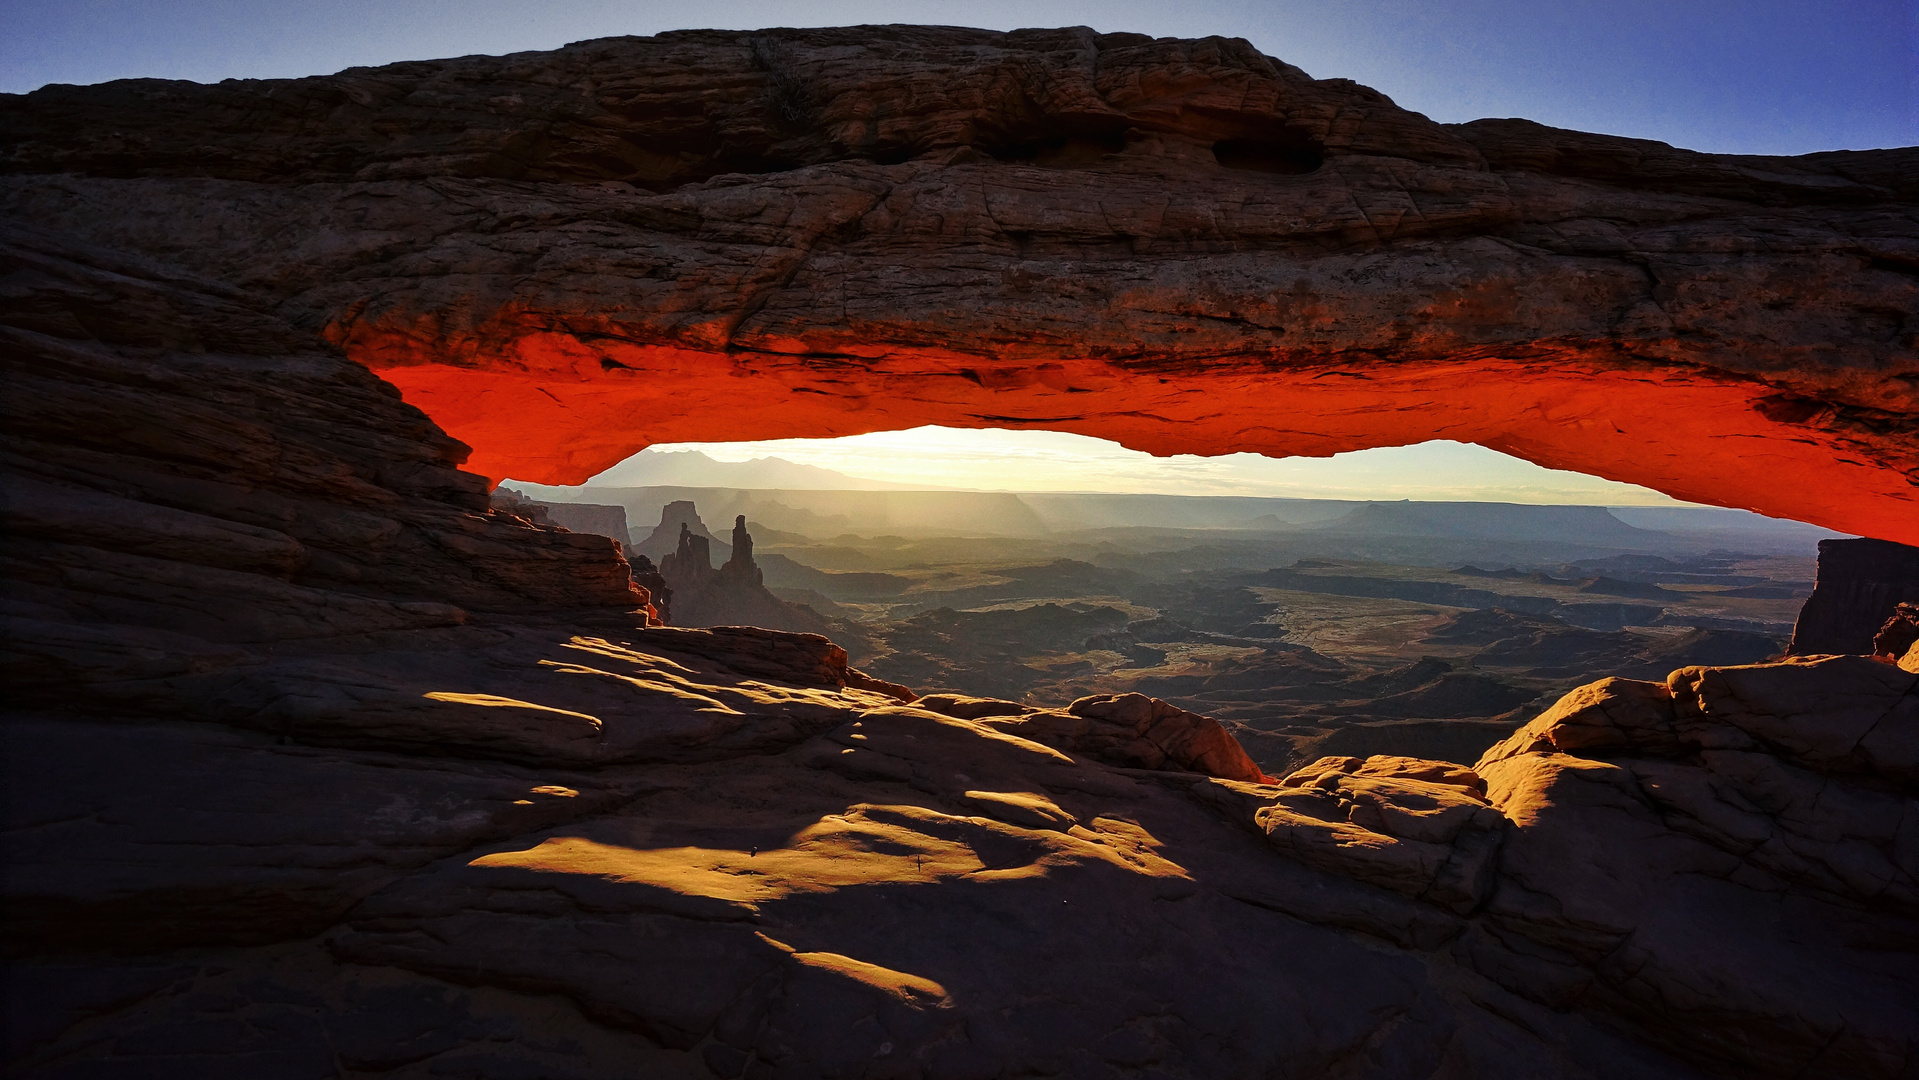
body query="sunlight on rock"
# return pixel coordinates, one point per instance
(998, 459)
(494, 701)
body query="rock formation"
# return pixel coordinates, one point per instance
(690, 565)
(740, 564)
(733, 594)
(318, 764)
(563, 257)
(596, 518)
(1732, 826)
(1859, 585)
(648, 577)
(531, 511)
(1130, 730)
(677, 518)
(1899, 634)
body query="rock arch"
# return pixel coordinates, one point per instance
(1185, 246)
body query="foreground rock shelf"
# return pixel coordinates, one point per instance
(1647, 880)
(320, 766)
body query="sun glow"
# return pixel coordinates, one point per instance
(1003, 460)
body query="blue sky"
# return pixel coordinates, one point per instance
(1732, 76)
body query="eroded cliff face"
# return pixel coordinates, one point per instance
(1182, 245)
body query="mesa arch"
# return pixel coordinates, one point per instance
(1185, 246)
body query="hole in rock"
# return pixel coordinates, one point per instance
(1419, 600)
(1059, 143)
(896, 154)
(1292, 154)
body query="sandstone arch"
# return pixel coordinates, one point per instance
(1182, 245)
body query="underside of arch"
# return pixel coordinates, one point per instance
(1728, 442)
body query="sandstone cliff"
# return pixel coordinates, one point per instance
(1861, 584)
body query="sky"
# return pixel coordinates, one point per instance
(994, 460)
(1727, 76)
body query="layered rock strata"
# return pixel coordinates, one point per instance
(1183, 245)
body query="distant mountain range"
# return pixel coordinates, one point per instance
(693, 469)
(1590, 525)
(789, 502)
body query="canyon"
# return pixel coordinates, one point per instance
(323, 763)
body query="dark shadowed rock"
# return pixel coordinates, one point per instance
(675, 518)
(1860, 583)
(1899, 634)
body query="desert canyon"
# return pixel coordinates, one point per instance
(325, 762)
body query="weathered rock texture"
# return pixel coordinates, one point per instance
(1860, 584)
(1183, 245)
(1689, 856)
(1130, 730)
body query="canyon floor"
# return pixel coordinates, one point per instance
(1297, 653)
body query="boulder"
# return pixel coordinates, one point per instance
(1131, 730)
